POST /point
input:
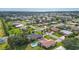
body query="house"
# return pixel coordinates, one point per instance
(47, 43)
(16, 23)
(23, 28)
(65, 32)
(77, 37)
(60, 48)
(60, 39)
(76, 29)
(34, 36)
(49, 33)
(19, 25)
(3, 40)
(54, 29)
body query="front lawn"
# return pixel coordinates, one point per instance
(48, 37)
(57, 34)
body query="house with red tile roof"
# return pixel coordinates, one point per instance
(47, 43)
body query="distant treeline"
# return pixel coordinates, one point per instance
(4, 13)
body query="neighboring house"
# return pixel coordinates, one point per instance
(54, 29)
(60, 39)
(60, 48)
(47, 43)
(77, 37)
(76, 29)
(23, 28)
(3, 40)
(19, 25)
(65, 32)
(16, 22)
(49, 33)
(34, 36)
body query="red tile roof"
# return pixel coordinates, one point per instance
(47, 43)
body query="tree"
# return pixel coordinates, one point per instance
(71, 43)
(9, 24)
(57, 18)
(15, 31)
(29, 30)
(16, 41)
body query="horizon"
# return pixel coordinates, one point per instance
(39, 9)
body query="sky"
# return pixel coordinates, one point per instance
(39, 9)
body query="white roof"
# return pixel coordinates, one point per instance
(49, 33)
(20, 25)
(60, 39)
(66, 32)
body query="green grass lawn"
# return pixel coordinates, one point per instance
(59, 44)
(57, 34)
(3, 46)
(1, 30)
(54, 37)
(48, 37)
